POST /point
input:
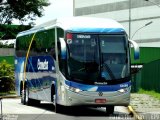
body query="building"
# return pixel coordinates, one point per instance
(141, 18)
(7, 42)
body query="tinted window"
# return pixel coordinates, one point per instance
(43, 43)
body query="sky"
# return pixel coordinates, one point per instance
(56, 9)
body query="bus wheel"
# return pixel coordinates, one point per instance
(53, 96)
(26, 100)
(23, 96)
(109, 110)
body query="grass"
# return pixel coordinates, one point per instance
(152, 93)
(7, 93)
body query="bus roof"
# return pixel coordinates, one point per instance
(79, 24)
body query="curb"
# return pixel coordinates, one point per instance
(132, 112)
(9, 96)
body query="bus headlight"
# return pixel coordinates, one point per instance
(124, 90)
(77, 90)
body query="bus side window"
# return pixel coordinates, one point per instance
(52, 51)
(59, 50)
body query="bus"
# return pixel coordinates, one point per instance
(76, 61)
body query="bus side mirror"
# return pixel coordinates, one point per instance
(63, 48)
(136, 49)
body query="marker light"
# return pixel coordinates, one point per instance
(69, 36)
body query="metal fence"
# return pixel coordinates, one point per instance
(148, 78)
(7, 51)
(136, 82)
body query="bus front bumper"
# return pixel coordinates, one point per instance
(89, 98)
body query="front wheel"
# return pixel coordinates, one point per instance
(109, 110)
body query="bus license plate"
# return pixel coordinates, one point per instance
(100, 100)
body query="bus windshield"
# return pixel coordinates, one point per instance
(97, 58)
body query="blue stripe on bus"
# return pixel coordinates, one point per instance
(85, 87)
(100, 30)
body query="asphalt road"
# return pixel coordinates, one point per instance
(14, 110)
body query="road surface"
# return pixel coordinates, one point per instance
(14, 110)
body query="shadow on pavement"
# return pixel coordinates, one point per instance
(80, 111)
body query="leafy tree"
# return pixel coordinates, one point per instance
(11, 31)
(6, 77)
(22, 10)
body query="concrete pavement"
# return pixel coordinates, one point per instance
(145, 106)
(12, 108)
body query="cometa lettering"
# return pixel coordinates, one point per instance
(42, 65)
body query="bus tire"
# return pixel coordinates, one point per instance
(22, 93)
(109, 110)
(22, 97)
(25, 100)
(53, 94)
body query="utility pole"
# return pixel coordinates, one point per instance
(129, 19)
(1, 116)
(73, 7)
(141, 28)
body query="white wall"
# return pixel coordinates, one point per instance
(140, 16)
(87, 3)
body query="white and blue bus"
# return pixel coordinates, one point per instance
(75, 61)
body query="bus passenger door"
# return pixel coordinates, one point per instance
(61, 59)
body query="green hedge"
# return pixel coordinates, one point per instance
(7, 82)
(9, 59)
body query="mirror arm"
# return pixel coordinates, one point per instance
(63, 48)
(136, 49)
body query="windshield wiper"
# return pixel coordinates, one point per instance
(109, 70)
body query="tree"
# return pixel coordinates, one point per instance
(6, 77)
(11, 31)
(22, 10)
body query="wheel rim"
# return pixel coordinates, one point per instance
(23, 96)
(26, 95)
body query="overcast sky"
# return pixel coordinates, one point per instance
(57, 8)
